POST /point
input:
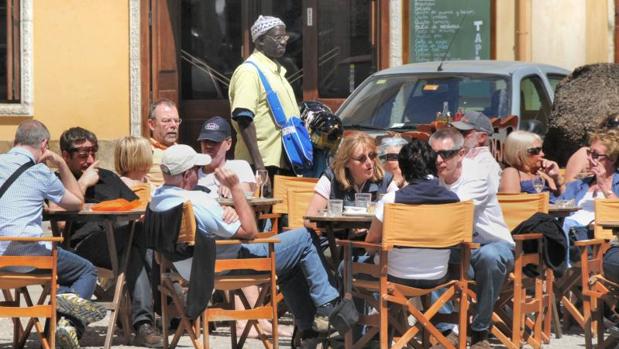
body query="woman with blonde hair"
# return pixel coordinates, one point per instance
(528, 171)
(133, 158)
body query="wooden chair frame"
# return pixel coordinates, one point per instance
(395, 234)
(12, 306)
(281, 185)
(264, 276)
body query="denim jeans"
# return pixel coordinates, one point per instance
(302, 276)
(611, 264)
(490, 263)
(75, 274)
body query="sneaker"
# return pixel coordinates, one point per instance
(81, 309)
(147, 336)
(321, 319)
(482, 344)
(66, 335)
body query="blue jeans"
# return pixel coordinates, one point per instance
(302, 276)
(75, 274)
(611, 264)
(490, 263)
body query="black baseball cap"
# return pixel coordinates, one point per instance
(215, 129)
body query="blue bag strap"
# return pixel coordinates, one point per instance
(273, 100)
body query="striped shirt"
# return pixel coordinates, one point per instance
(21, 206)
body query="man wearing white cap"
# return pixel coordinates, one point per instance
(260, 142)
(295, 253)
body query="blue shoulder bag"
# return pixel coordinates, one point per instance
(295, 139)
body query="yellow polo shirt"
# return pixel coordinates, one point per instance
(246, 91)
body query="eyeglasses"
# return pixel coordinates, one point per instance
(595, 155)
(363, 158)
(170, 121)
(448, 154)
(85, 151)
(534, 151)
(389, 157)
(279, 38)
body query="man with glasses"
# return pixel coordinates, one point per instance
(79, 149)
(260, 142)
(163, 121)
(495, 258)
(476, 128)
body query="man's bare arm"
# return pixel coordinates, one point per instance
(248, 133)
(73, 198)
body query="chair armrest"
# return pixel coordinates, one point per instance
(269, 215)
(32, 238)
(362, 244)
(529, 236)
(254, 241)
(471, 245)
(584, 243)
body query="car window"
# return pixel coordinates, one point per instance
(534, 105)
(397, 101)
(554, 80)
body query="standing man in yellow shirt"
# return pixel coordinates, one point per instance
(260, 143)
(163, 121)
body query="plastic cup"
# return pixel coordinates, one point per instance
(336, 207)
(362, 199)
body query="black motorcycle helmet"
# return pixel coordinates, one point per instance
(324, 127)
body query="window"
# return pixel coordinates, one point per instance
(534, 105)
(16, 57)
(554, 80)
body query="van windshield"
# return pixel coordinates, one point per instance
(401, 101)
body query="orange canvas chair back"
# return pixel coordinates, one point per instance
(187, 233)
(517, 208)
(143, 191)
(428, 226)
(605, 210)
(281, 186)
(298, 202)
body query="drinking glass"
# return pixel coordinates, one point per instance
(336, 207)
(538, 184)
(261, 179)
(363, 199)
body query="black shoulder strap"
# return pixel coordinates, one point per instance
(14, 176)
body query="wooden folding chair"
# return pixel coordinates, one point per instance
(595, 287)
(524, 308)
(411, 226)
(298, 202)
(18, 282)
(280, 191)
(262, 274)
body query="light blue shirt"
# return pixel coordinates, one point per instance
(208, 213)
(21, 206)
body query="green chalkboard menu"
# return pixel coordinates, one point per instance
(434, 23)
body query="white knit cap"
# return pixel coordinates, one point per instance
(263, 24)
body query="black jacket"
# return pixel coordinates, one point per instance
(555, 244)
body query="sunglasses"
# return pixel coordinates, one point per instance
(85, 152)
(534, 151)
(389, 157)
(447, 154)
(363, 158)
(595, 155)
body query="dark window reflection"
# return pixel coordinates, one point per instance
(210, 47)
(345, 53)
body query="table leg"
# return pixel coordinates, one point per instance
(335, 253)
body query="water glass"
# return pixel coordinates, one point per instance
(262, 177)
(363, 199)
(336, 207)
(371, 208)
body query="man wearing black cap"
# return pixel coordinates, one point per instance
(476, 128)
(215, 140)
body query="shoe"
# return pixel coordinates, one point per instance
(66, 335)
(482, 344)
(310, 342)
(147, 336)
(321, 319)
(79, 308)
(451, 338)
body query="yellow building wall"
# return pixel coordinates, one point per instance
(81, 68)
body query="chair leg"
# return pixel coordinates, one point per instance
(164, 317)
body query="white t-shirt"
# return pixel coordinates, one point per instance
(413, 263)
(474, 184)
(484, 159)
(323, 187)
(240, 167)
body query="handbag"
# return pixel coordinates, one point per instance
(295, 138)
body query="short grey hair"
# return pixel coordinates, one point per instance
(448, 133)
(164, 101)
(31, 132)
